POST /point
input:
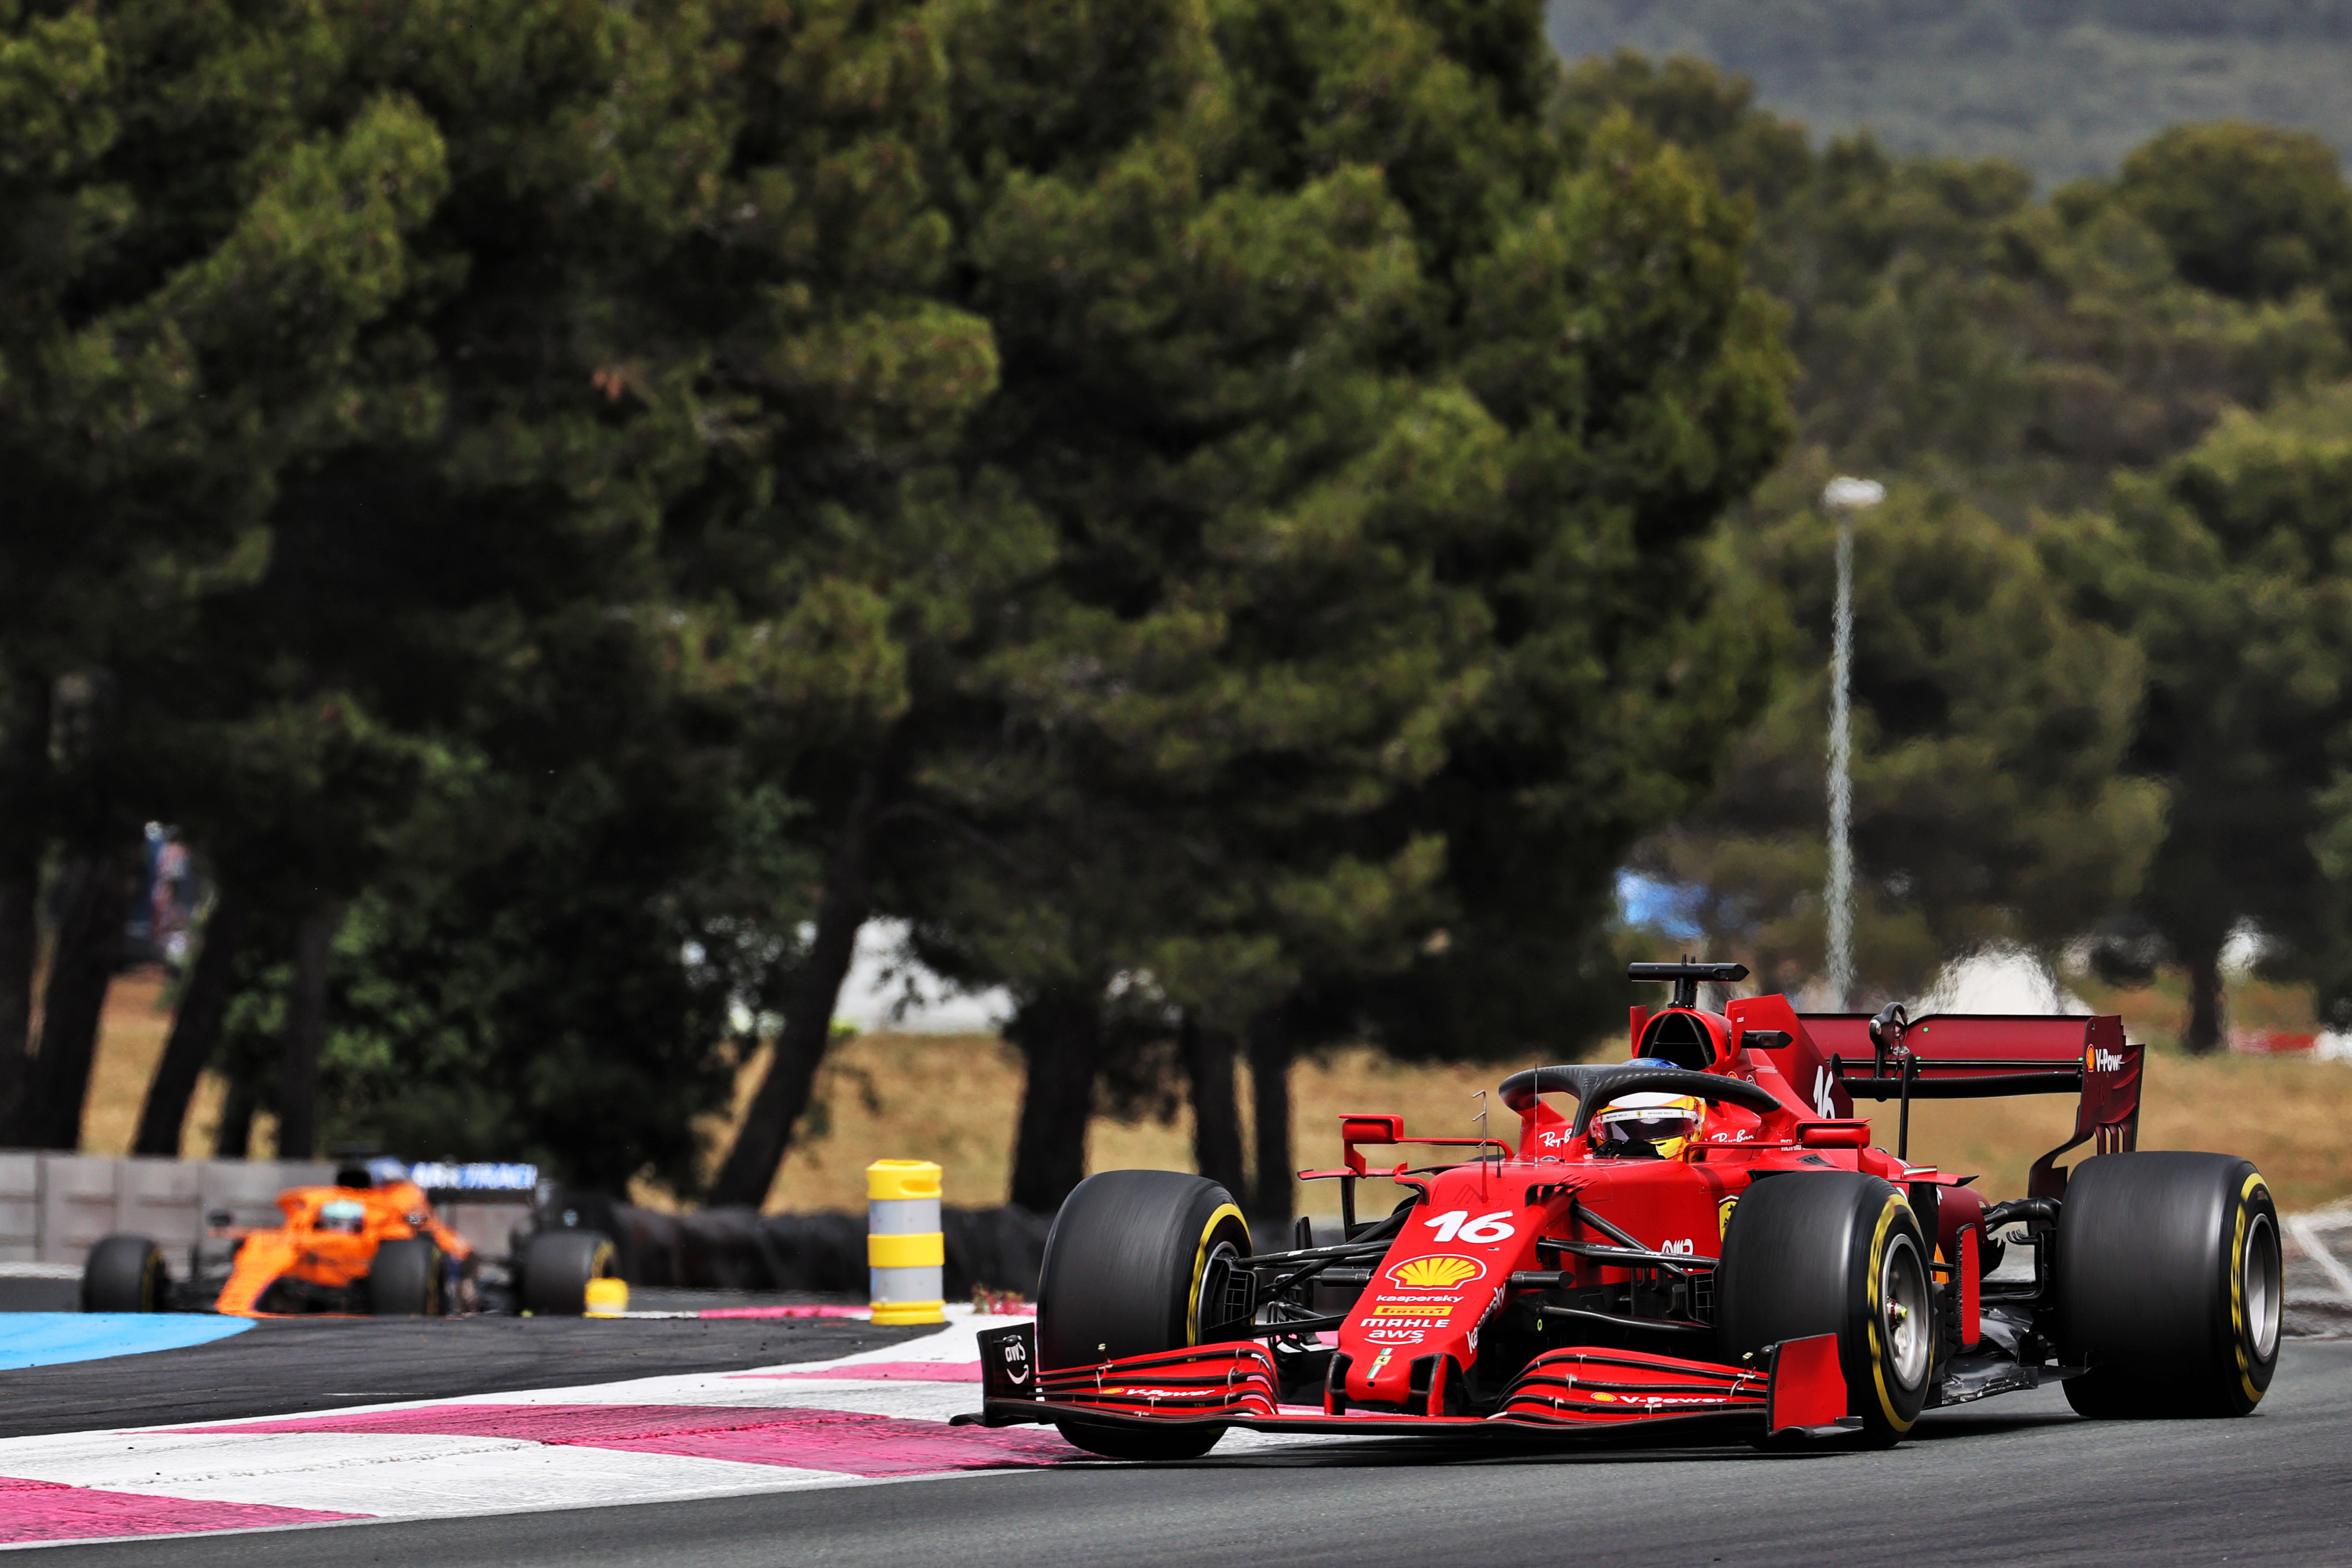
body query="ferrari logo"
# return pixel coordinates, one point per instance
(1442, 1272)
(1723, 1217)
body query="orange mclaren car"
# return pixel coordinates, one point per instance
(343, 1248)
(369, 1244)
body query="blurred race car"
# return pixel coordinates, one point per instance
(1705, 1236)
(368, 1244)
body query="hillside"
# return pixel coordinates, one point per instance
(2065, 89)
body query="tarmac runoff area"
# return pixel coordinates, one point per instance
(686, 1441)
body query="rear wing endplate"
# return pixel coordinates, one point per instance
(1971, 1056)
(1831, 1061)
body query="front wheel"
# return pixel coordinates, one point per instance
(404, 1281)
(125, 1274)
(1834, 1253)
(2168, 1280)
(557, 1266)
(1139, 1261)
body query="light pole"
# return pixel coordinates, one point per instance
(1844, 497)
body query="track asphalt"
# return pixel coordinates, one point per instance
(288, 1366)
(2012, 1481)
(823, 1443)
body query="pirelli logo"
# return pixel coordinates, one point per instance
(1404, 1311)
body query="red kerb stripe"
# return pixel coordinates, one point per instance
(47, 1510)
(846, 1442)
(881, 1370)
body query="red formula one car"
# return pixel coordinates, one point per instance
(1703, 1235)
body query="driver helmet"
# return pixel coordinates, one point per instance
(1639, 1123)
(346, 1214)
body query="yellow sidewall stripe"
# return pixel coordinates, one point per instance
(2253, 1184)
(1894, 1205)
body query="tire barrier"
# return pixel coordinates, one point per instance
(906, 1252)
(822, 1253)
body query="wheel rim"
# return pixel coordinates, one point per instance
(1208, 1306)
(2258, 1267)
(1903, 1297)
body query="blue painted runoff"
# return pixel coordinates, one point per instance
(53, 1339)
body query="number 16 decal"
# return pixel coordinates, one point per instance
(1455, 1224)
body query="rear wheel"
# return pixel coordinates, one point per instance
(1834, 1253)
(2169, 1284)
(404, 1281)
(557, 1266)
(125, 1274)
(1137, 1262)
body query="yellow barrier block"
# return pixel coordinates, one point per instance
(906, 1251)
(890, 1179)
(607, 1298)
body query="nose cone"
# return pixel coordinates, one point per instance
(1416, 1307)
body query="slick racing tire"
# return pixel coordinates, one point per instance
(2169, 1285)
(1134, 1265)
(405, 1281)
(556, 1268)
(125, 1274)
(1834, 1253)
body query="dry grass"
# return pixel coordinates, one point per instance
(130, 1043)
(954, 1098)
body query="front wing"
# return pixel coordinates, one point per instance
(1572, 1392)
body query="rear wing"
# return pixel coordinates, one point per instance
(1831, 1060)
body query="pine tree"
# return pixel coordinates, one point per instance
(2227, 568)
(195, 251)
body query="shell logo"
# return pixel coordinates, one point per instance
(1442, 1272)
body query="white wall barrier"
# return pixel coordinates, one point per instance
(52, 1207)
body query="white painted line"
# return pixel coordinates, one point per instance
(393, 1476)
(2306, 1236)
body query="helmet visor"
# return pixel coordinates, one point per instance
(1645, 1126)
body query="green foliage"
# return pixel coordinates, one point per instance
(1239, 641)
(2246, 211)
(1999, 357)
(188, 277)
(734, 478)
(2230, 568)
(1215, 494)
(1992, 725)
(537, 1008)
(1951, 326)
(1358, 581)
(2130, 707)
